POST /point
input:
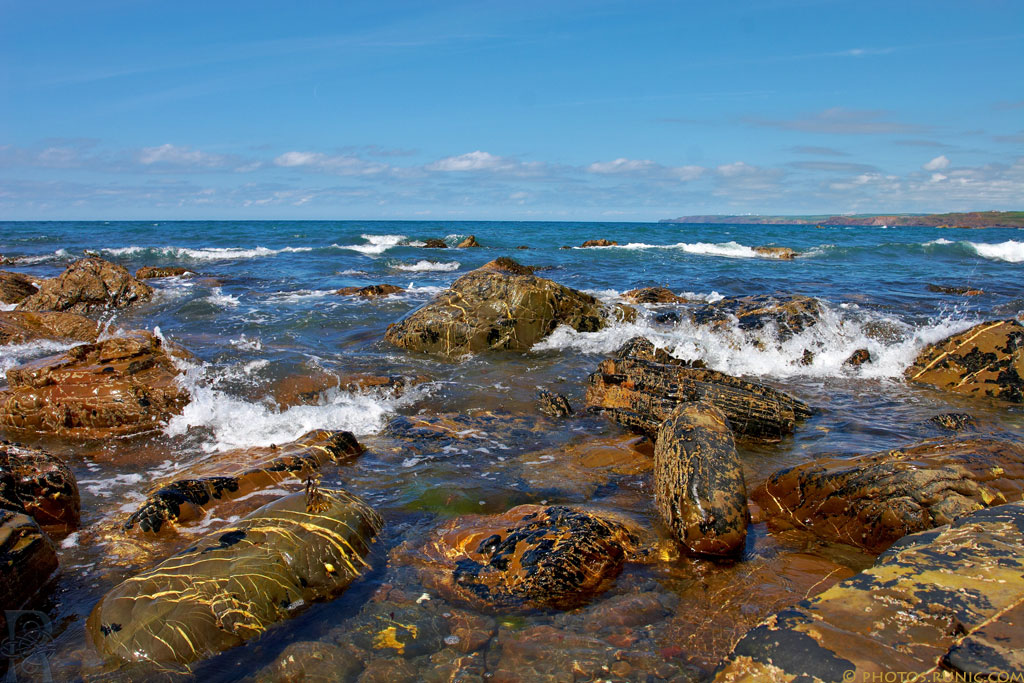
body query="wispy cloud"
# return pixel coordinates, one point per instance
(842, 121)
(921, 143)
(644, 167)
(1010, 139)
(818, 151)
(326, 163)
(936, 164)
(833, 166)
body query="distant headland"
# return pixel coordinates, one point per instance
(973, 219)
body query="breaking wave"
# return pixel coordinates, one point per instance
(423, 266)
(376, 244)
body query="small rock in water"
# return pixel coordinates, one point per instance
(435, 243)
(555, 405)
(954, 422)
(784, 253)
(600, 243)
(859, 357)
(147, 272)
(468, 242)
(87, 285)
(41, 485)
(962, 291)
(370, 291)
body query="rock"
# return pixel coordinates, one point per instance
(531, 557)
(15, 287)
(239, 473)
(653, 295)
(307, 661)
(953, 422)
(146, 272)
(503, 264)
(668, 317)
(21, 327)
(962, 291)
(789, 315)
(371, 291)
(807, 358)
(308, 389)
(405, 630)
(87, 285)
(950, 598)
(435, 243)
(491, 309)
(784, 253)
(555, 405)
(698, 481)
(27, 559)
(389, 670)
(41, 485)
(237, 581)
(522, 246)
(468, 242)
(858, 357)
(600, 243)
(123, 385)
(872, 500)
(641, 394)
(985, 361)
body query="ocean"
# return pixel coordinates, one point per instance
(260, 306)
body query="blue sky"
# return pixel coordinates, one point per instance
(597, 110)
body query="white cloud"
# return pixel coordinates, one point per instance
(178, 156)
(646, 167)
(472, 161)
(937, 164)
(326, 163)
(736, 168)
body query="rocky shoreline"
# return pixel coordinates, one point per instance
(955, 495)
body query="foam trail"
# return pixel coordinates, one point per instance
(429, 266)
(377, 244)
(727, 249)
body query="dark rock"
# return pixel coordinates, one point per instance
(784, 253)
(600, 243)
(146, 272)
(859, 357)
(948, 597)
(653, 295)
(789, 316)
(522, 246)
(88, 285)
(954, 422)
(962, 291)
(985, 361)
(21, 327)
(236, 474)
(435, 243)
(808, 357)
(27, 559)
(504, 264)
(555, 405)
(872, 500)
(232, 584)
(698, 481)
(668, 317)
(371, 291)
(40, 485)
(492, 309)
(405, 630)
(468, 242)
(123, 385)
(15, 287)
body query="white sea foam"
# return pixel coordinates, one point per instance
(299, 295)
(429, 266)
(58, 255)
(218, 298)
(376, 244)
(1011, 250)
(205, 254)
(760, 352)
(727, 249)
(247, 344)
(13, 355)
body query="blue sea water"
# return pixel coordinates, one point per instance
(261, 306)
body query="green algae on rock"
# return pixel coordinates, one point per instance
(872, 500)
(88, 285)
(944, 599)
(41, 485)
(231, 585)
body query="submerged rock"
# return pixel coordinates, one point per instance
(873, 500)
(236, 474)
(653, 295)
(784, 253)
(468, 242)
(234, 583)
(962, 291)
(27, 559)
(115, 387)
(641, 394)
(311, 661)
(953, 422)
(948, 599)
(531, 557)
(600, 243)
(789, 315)
(554, 405)
(309, 389)
(698, 481)
(146, 272)
(88, 285)
(986, 360)
(495, 309)
(371, 291)
(15, 287)
(21, 327)
(41, 485)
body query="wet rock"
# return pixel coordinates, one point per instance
(954, 422)
(555, 405)
(472, 630)
(146, 272)
(235, 474)
(921, 607)
(123, 385)
(698, 481)
(87, 285)
(577, 471)
(41, 485)
(985, 361)
(522, 246)
(27, 559)
(307, 661)
(21, 327)
(490, 309)
(784, 253)
(435, 243)
(641, 348)
(789, 315)
(504, 264)
(404, 630)
(641, 394)
(531, 557)
(237, 581)
(630, 610)
(858, 357)
(872, 500)
(962, 291)
(600, 243)
(388, 670)
(653, 295)
(668, 317)
(807, 358)
(370, 291)
(309, 388)
(468, 242)
(15, 287)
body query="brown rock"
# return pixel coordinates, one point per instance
(15, 287)
(87, 285)
(555, 405)
(859, 357)
(371, 291)
(600, 243)
(962, 291)
(27, 559)
(653, 295)
(698, 481)
(790, 315)
(784, 253)
(985, 361)
(308, 661)
(503, 264)
(40, 485)
(308, 389)
(435, 243)
(953, 422)
(21, 327)
(388, 670)
(872, 500)
(468, 242)
(147, 272)
(943, 600)
(522, 246)
(119, 386)
(490, 309)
